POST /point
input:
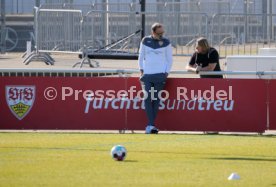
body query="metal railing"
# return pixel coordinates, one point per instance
(42, 72)
(85, 8)
(236, 34)
(70, 31)
(56, 30)
(182, 28)
(59, 30)
(230, 32)
(209, 7)
(102, 28)
(3, 34)
(3, 27)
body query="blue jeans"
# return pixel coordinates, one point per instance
(156, 82)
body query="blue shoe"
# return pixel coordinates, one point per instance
(150, 129)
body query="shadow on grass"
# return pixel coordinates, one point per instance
(130, 160)
(245, 159)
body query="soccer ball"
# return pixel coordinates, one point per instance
(118, 152)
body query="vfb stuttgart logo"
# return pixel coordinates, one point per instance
(20, 99)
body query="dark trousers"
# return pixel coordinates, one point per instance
(156, 82)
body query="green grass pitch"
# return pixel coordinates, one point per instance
(83, 159)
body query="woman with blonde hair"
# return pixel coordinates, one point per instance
(205, 58)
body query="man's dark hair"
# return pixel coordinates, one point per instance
(155, 26)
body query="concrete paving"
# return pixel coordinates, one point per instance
(66, 61)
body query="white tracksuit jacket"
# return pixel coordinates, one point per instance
(155, 56)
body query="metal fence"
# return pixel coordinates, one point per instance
(236, 34)
(201, 6)
(59, 30)
(102, 28)
(56, 30)
(70, 31)
(182, 28)
(73, 31)
(42, 72)
(3, 27)
(206, 7)
(85, 8)
(230, 32)
(210, 7)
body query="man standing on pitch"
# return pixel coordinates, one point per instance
(155, 62)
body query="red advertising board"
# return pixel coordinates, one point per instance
(272, 104)
(58, 113)
(244, 109)
(111, 104)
